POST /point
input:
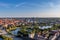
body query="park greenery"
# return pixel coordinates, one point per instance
(11, 28)
(5, 37)
(25, 30)
(35, 29)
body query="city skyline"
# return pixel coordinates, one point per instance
(29, 8)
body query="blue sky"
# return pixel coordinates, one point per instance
(29, 8)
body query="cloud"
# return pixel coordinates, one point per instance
(4, 5)
(20, 4)
(50, 4)
(27, 4)
(8, 5)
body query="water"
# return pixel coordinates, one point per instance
(17, 38)
(1, 39)
(15, 31)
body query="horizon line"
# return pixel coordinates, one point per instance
(29, 17)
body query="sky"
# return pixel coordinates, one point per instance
(29, 8)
